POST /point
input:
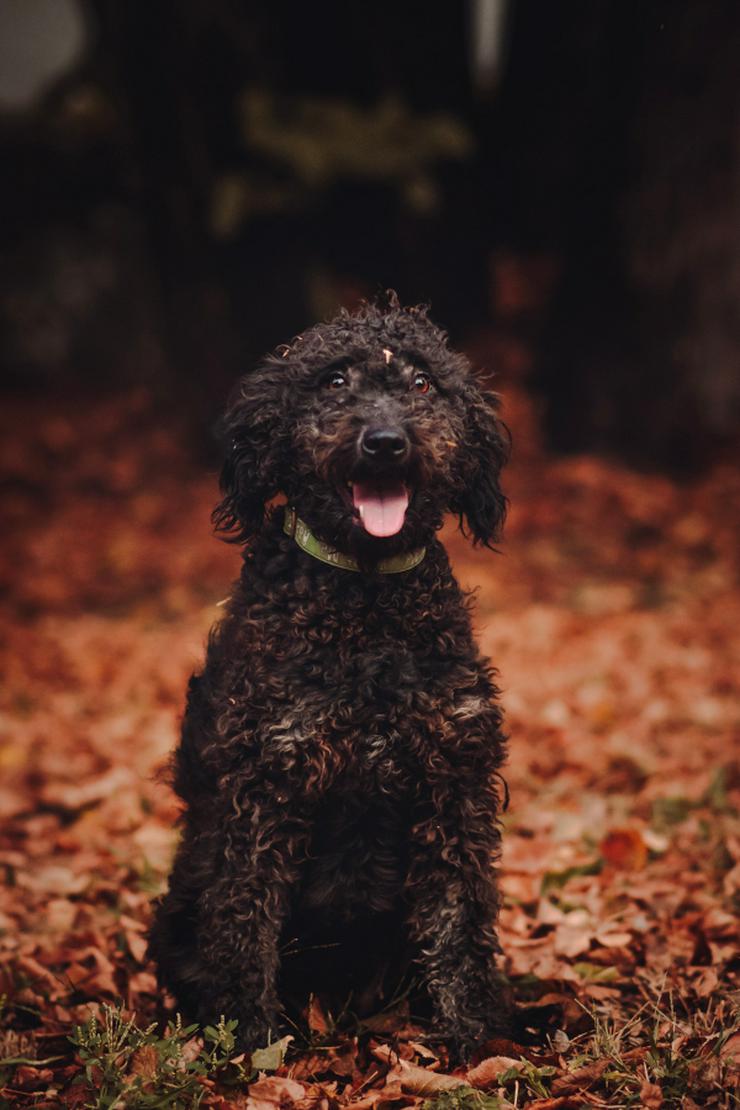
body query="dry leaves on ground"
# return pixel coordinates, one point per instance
(614, 618)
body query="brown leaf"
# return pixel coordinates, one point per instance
(613, 940)
(425, 1052)
(384, 1096)
(274, 1090)
(316, 1017)
(308, 1066)
(342, 1061)
(137, 945)
(59, 915)
(388, 1021)
(731, 1049)
(624, 849)
(486, 1073)
(142, 982)
(40, 976)
(705, 982)
(421, 1081)
(634, 1054)
(144, 1062)
(572, 940)
(411, 1078)
(29, 1078)
(651, 1095)
(78, 795)
(560, 1008)
(54, 878)
(576, 1080)
(98, 979)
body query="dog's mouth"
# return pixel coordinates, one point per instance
(380, 505)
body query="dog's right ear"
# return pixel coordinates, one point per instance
(254, 439)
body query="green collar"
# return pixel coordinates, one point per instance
(312, 545)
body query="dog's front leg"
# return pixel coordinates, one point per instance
(452, 891)
(240, 916)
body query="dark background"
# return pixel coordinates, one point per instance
(189, 183)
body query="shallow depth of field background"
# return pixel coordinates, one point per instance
(186, 185)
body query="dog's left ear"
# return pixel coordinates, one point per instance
(253, 432)
(481, 502)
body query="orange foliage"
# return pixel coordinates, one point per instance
(613, 615)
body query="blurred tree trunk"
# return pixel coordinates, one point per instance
(153, 49)
(639, 153)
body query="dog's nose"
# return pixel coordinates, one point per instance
(384, 444)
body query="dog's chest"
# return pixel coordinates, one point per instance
(375, 760)
(344, 750)
(356, 693)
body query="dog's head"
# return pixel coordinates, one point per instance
(373, 429)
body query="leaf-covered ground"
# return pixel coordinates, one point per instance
(613, 614)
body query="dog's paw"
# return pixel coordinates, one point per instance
(255, 1033)
(467, 1035)
(460, 1043)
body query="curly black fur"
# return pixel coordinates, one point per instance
(340, 749)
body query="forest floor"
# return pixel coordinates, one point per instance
(613, 616)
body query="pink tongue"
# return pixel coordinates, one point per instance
(382, 509)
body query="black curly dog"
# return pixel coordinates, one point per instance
(340, 750)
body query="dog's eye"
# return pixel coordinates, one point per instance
(336, 381)
(421, 383)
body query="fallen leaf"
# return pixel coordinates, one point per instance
(412, 1078)
(486, 1073)
(425, 1052)
(143, 982)
(730, 1050)
(272, 1056)
(137, 945)
(624, 849)
(572, 940)
(614, 940)
(316, 1017)
(273, 1090)
(28, 1078)
(389, 1020)
(706, 982)
(145, 1061)
(78, 795)
(54, 878)
(651, 1096)
(580, 1078)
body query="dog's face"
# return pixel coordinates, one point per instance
(372, 428)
